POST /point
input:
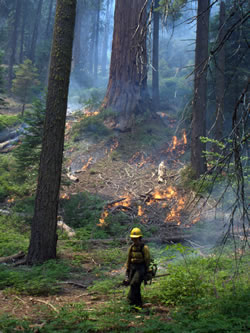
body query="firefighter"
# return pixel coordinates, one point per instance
(137, 266)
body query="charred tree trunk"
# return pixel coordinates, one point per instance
(97, 31)
(155, 60)
(35, 31)
(127, 93)
(220, 79)
(105, 39)
(14, 43)
(198, 161)
(43, 231)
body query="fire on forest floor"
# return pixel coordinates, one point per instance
(128, 180)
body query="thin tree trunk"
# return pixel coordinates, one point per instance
(24, 17)
(43, 230)
(155, 60)
(48, 28)
(105, 39)
(127, 93)
(14, 43)
(97, 31)
(198, 161)
(77, 38)
(35, 31)
(220, 78)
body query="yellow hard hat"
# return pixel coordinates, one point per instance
(135, 233)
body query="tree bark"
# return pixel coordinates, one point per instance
(43, 231)
(155, 60)
(14, 43)
(127, 93)
(198, 161)
(35, 31)
(220, 79)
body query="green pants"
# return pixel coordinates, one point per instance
(136, 277)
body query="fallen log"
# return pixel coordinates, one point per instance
(12, 258)
(162, 240)
(63, 226)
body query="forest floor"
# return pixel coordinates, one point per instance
(120, 170)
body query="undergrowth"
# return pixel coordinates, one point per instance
(38, 280)
(200, 295)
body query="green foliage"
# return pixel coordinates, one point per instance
(72, 317)
(38, 280)
(82, 210)
(25, 82)
(93, 126)
(7, 121)
(9, 182)
(13, 235)
(28, 152)
(1, 75)
(172, 7)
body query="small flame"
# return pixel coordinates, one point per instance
(64, 196)
(174, 214)
(87, 164)
(10, 200)
(102, 218)
(184, 138)
(140, 211)
(90, 113)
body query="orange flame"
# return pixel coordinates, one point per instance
(184, 138)
(102, 218)
(87, 164)
(64, 196)
(90, 113)
(140, 211)
(174, 214)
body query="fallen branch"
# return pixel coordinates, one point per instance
(75, 284)
(12, 258)
(63, 226)
(47, 303)
(169, 239)
(115, 201)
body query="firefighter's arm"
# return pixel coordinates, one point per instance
(146, 256)
(128, 262)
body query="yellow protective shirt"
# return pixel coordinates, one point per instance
(138, 254)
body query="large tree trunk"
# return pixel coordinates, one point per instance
(13, 44)
(127, 88)
(35, 31)
(198, 161)
(43, 231)
(220, 78)
(155, 60)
